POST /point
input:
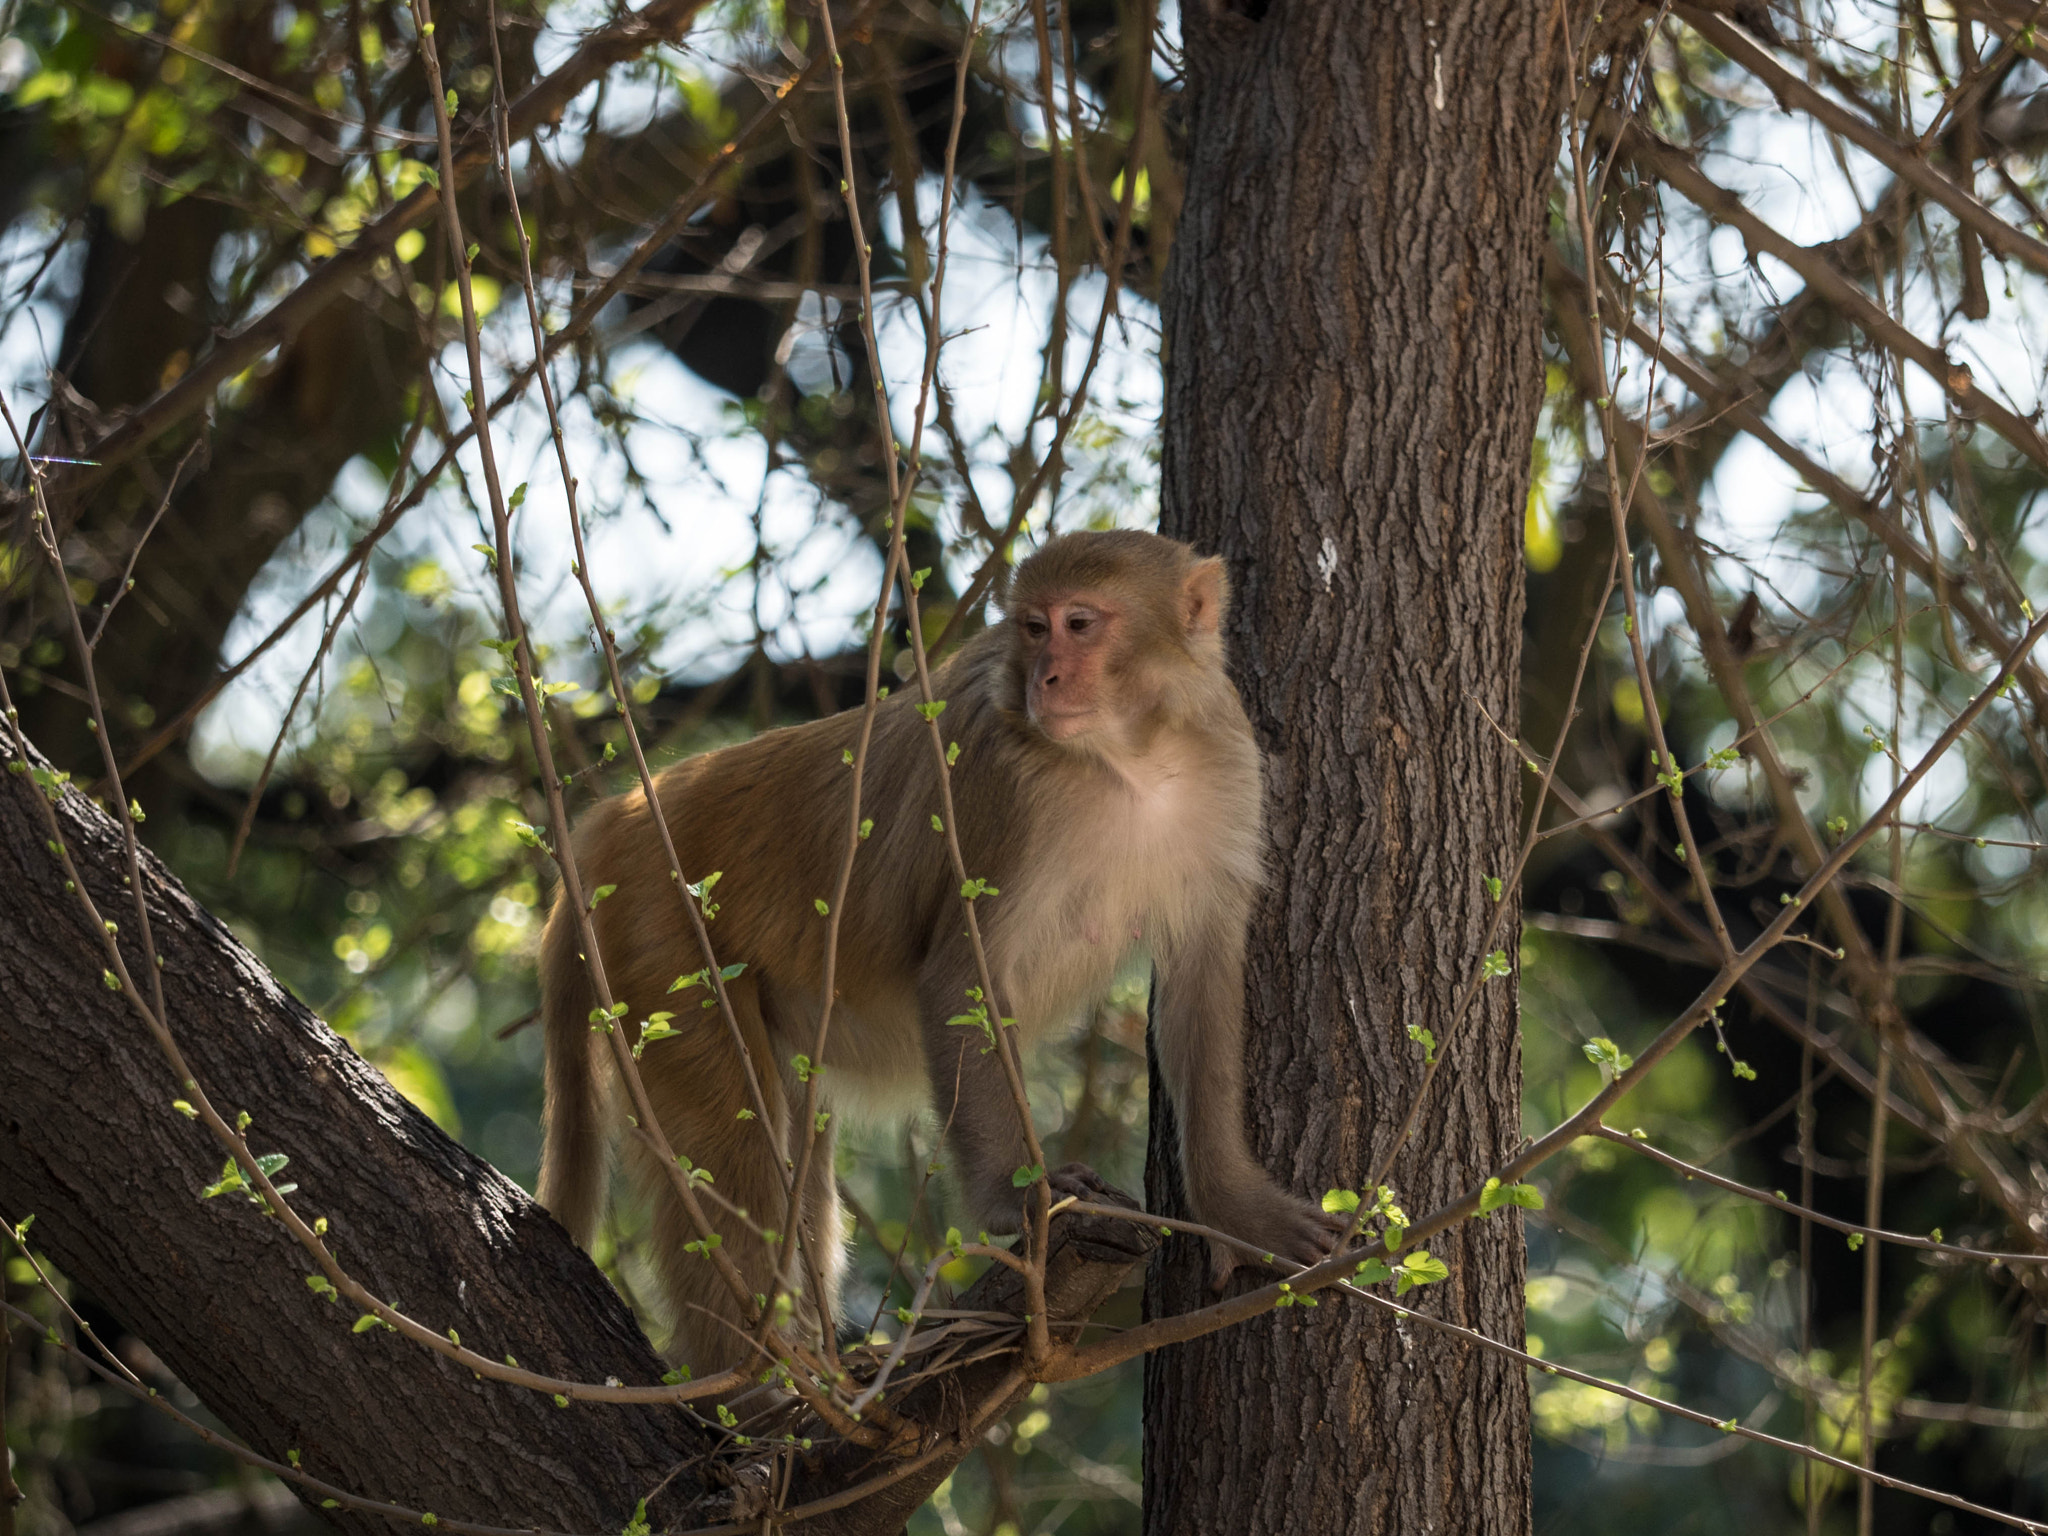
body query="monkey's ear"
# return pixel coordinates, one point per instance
(1204, 594)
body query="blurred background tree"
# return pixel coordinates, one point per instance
(1794, 332)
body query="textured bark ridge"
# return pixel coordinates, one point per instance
(90, 1145)
(1352, 379)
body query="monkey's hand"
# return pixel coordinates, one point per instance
(1274, 1222)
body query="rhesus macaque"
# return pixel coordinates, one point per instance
(1107, 786)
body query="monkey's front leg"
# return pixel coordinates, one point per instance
(1198, 1034)
(972, 1097)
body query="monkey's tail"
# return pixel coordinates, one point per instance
(576, 1155)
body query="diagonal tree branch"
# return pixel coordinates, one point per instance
(543, 103)
(1676, 168)
(92, 1146)
(1795, 94)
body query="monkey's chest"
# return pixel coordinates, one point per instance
(1119, 889)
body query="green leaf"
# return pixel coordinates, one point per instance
(933, 710)
(1288, 1298)
(1610, 1058)
(1372, 1272)
(1495, 965)
(1025, 1176)
(1418, 1269)
(600, 893)
(1426, 1040)
(1496, 1195)
(1340, 1202)
(1493, 886)
(230, 1180)
(824, 907)
(320, 1285)
(184, 1107)
(365, 1323)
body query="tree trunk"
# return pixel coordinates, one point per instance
(1352, 320)
(92, 1148)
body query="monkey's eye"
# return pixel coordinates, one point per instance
(1079, 623)
(1035, 628)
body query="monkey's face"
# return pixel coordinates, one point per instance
(1070, 644)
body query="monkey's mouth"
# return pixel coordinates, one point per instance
(1062, 725)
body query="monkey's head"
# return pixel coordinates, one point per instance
(1116, 632)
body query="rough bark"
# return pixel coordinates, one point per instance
(1352, 378)
(90, 1145)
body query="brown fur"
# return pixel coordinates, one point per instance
(1143, 828)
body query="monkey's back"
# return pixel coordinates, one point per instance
(770, 817)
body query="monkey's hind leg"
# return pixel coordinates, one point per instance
(699, 1091)
(576, 1157)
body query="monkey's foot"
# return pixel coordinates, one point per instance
(1005, 1212)
(1080, 1182)
(1278, 1224)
